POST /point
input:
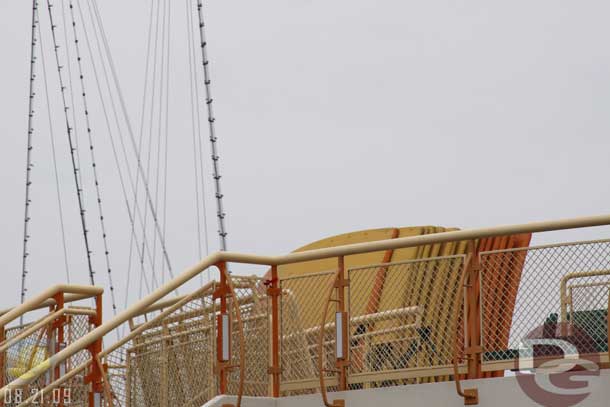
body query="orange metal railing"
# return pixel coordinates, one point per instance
(27, 345)
(458, 310)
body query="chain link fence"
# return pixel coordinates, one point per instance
(36, 345)
(174, 361)
(588, 310)
(171, 362)
(547, 296)
(116, 363)
(402, 320)
(401, 329)
(302, 305)
(405, 322)
(25, 353)
(254, 309)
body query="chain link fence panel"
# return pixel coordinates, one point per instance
(555, 293)
(402, 320)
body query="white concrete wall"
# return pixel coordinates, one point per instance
(498, 392)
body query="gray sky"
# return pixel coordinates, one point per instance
(333, 117)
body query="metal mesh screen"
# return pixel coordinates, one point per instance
(117, 375)
(402, 318)
(302, 306)
(78, 326)
(525, 296)
(171, 362)
(587, 305)
(23, 355)
(33, 349)
(254, 309)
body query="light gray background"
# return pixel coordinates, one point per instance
(337, 116)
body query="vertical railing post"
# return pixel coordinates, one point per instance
(473, 316)
(341, 346)
(342, 319)
(223, 336)
(57, 332)
(463, 305)
(96, 375)
(274, 293)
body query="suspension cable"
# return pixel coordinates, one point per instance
(29, 165)
(136, 210)
(213, 139)
(72, 101)
(132, 139)
(160, 112)
(96, 178)
(140, 138)
(71, 145)
(150, 128)
(165, 169)
(164, 131)
(197, 139)
(54, 156)
(195, 130)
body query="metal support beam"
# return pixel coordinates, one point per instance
(274, 293)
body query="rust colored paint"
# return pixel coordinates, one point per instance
(274, 293)
(96, 375)
(58, 327)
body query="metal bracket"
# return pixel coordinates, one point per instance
(340, 283)
(274, 370)
(274, 292)
(471, 397)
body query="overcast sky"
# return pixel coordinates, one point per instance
(335, 116)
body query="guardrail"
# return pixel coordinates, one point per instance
(28, 344)
(366, 332)
(543, 297)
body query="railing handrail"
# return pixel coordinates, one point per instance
(563, 285)
(298, 257)
(45, 299)
(135, 332)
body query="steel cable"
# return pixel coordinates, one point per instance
(54, 157)
(96, 178)
(29, 165)
(69, 129)
(220, 214)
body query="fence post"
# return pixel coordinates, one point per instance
(57, 332)
(470, 396)
(95, 377)
(274, 293)
(473, 315)
(342, 362)
(221, 293)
